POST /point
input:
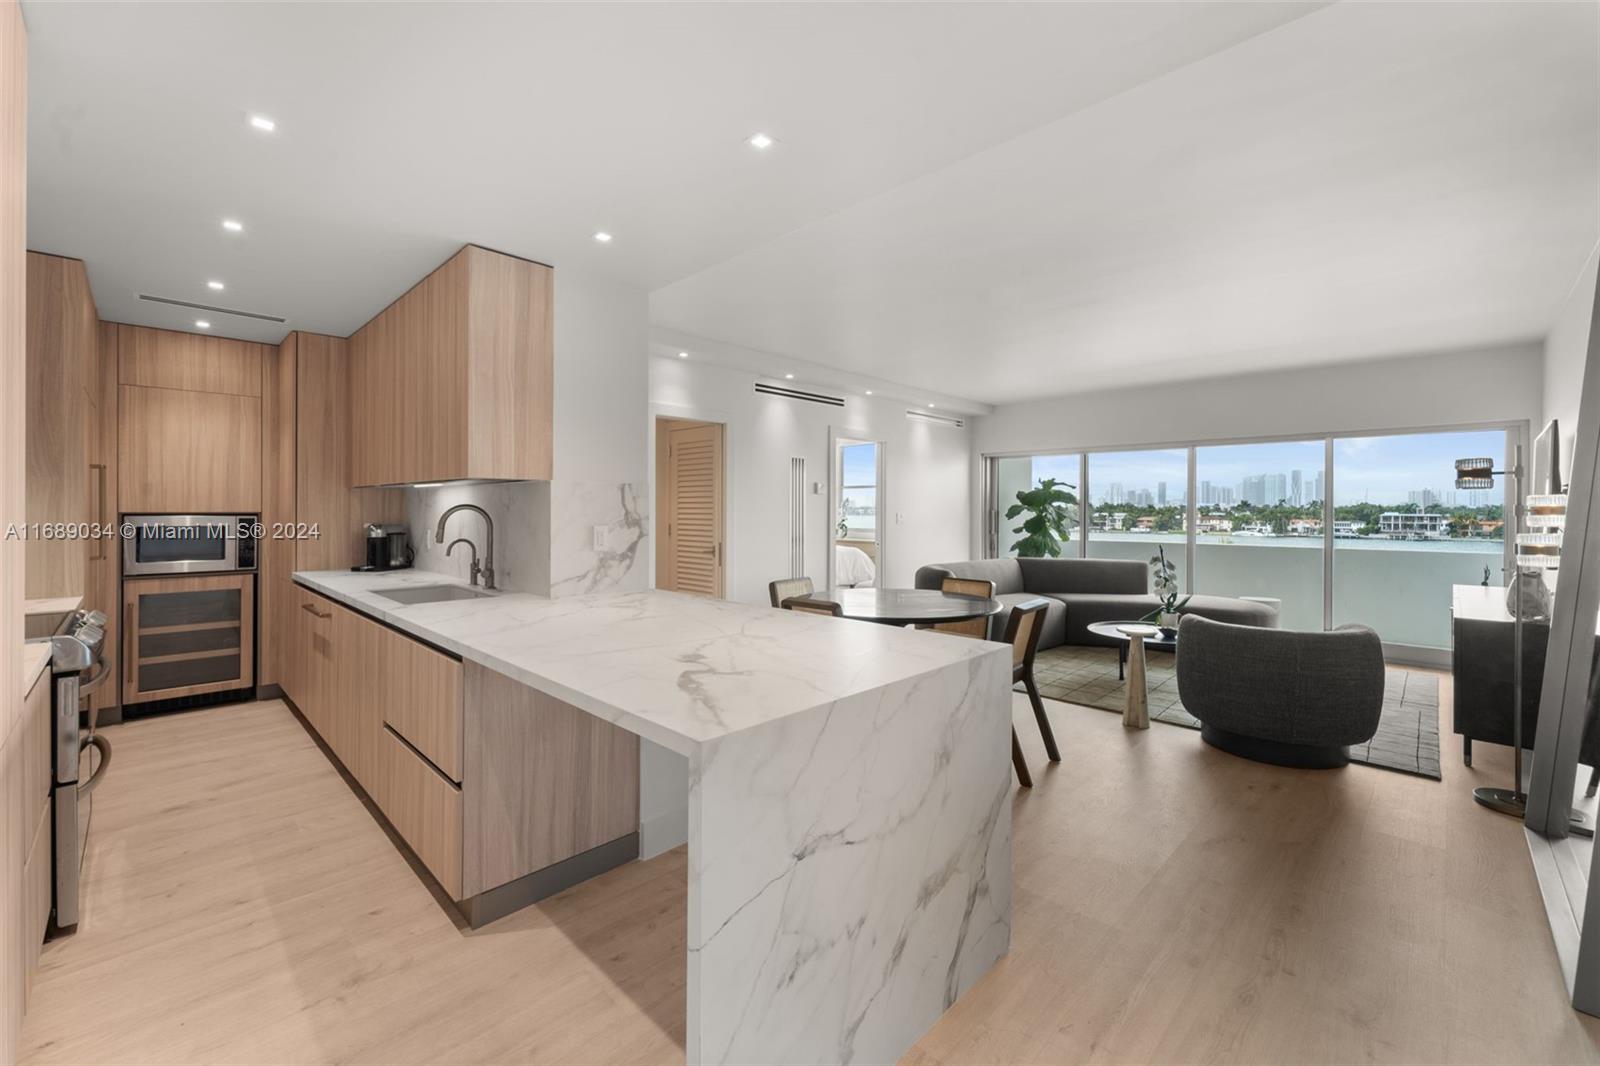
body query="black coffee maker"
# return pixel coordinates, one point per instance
(388, 547)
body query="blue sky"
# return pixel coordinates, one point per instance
(1374, 469)
(860, 463)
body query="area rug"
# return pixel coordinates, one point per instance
(1408, 732)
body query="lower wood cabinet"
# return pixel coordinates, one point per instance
(487, 780)
(33, 814)
(424, 807)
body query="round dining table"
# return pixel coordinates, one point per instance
(906, 607)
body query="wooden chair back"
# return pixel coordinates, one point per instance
(967, 586)
(789, 586)
(1022, 633)
(827, 607)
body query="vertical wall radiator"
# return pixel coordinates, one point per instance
(797, 517)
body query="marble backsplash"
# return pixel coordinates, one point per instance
(597, 537)
(545, 534)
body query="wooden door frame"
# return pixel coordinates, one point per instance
(661, 425)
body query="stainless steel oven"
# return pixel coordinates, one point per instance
(188, 543)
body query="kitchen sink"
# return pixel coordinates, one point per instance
(429, 593)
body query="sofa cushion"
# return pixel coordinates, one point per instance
(1084, 608)
(1054, 630)
(1005, 574)
(1238, 612)
(1116, 576)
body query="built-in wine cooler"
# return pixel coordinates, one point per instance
(187, 636)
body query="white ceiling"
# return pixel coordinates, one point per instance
(996, 200)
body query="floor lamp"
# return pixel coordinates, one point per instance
(1532, 553)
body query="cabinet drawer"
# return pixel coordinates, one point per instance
(36, 871)
(419, 691)
(424, 807)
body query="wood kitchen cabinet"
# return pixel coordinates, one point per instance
(62, 339)
(306, 484)
(184, 636)
(488, 781)
(189, 452)
(37, 869)
(105, 556)
(455, 378)
(189, 423)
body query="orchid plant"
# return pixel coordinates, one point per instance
(1164, 580)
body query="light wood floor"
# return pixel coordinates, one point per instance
(1172, 904)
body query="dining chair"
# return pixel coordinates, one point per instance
(789, 586)
(827, 607)
(1022, 633)
(967, 586)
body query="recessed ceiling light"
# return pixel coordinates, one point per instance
(215, 286)
(930, 407)
(869, 392)
(683, 355)
(263, 123)
(232, 225)
(788, 377)
(760, 140)
(603, 237)
(201, 323)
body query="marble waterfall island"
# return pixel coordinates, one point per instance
(849, 795)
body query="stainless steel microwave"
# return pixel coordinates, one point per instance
(188, 543)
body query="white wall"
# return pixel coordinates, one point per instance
(926, 491)
(602, 345)
(1565, 351)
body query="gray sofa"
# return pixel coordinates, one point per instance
(1084, 591)
(1294, 699)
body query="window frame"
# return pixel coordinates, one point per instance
(1516, 436)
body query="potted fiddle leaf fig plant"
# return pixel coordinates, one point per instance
(1048, 525)
(1164, 579)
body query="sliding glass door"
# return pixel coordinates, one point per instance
(1014, 474)
(1403, 534)
(1136, 505)
(1258, 525)
(1384, 551)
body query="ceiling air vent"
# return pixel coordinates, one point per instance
(941, 420)
(798, 394)
(210, 308)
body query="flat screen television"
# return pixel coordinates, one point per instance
(1547, 461)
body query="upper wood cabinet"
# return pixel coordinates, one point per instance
(189, 425)
(62, 350)
(455, 379)
(188, 452)
(163, 358)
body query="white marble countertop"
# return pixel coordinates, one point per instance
(677, 670)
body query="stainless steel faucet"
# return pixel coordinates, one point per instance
(488, 551)
(475, 569)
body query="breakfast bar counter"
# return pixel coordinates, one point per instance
(849, 816)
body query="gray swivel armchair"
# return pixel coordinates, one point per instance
(1294, 699)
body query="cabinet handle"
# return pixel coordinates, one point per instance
(130, 663)
(100, 510)
(312, 610)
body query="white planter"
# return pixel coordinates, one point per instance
(1168, 619)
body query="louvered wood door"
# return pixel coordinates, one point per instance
(694, 512)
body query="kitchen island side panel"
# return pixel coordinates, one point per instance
(850, 870)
